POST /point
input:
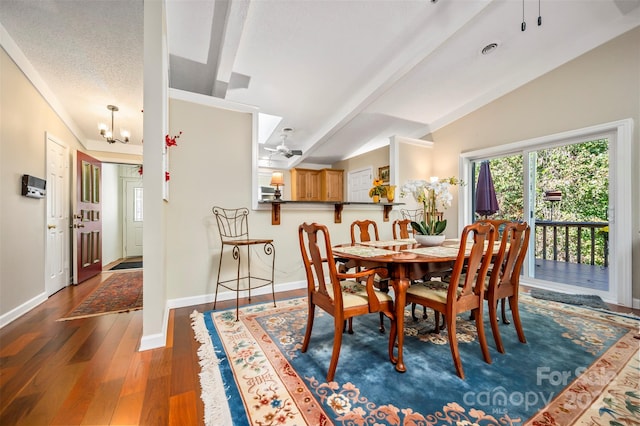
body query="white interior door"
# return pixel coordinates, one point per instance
(358, 185)
(57, 247)
(133, 218)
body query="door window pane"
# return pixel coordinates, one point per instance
(137, 204)
(507, 173)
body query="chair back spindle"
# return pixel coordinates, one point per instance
(504, 281)
(476, 264)
(364, 231)
(402, 229)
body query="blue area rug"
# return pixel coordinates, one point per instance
(578, 364)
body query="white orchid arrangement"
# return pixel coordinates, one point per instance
(430, 194)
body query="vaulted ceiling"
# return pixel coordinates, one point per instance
(345, 75)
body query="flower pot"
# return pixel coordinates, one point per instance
(429, 240)
(376, 198)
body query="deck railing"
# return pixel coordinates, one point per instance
(574, 242)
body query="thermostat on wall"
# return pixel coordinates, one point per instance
(33, 187)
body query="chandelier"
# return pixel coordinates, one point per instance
(107, 133)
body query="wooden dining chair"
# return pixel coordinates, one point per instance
(402, 229)
(443, 273)
(341, 295)
(363, 231)
(450, 300)
(504, 280)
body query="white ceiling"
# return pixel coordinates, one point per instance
(344, 74)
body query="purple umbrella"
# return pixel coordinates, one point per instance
(486, 201)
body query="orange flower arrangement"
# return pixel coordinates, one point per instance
(378, 188)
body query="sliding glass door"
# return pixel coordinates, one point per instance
(564, 188)
(570, 204)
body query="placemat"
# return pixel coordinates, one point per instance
(387, 243)
(437, 251)
(456, 243)
(364, 251)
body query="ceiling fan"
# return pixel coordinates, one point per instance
(282, 148)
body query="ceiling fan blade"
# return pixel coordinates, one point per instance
(270, 149)
(292, 152)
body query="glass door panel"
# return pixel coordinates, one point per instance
(507, 173)
(571, 214)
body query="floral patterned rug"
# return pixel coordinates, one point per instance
(121, 292)
(579, 367)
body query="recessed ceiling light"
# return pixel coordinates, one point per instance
(489, 48)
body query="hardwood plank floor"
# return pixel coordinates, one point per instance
(88, 371)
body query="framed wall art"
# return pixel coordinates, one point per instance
(383, 173)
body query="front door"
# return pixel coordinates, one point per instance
(87, 221)
(57, 248)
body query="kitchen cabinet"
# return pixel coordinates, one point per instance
(331, 184)
(316, 185)
(305, 185)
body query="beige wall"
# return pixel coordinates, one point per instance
(599, 87)
(25, 117)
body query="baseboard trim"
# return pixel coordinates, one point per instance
(231, 295)
(22, 309)
(159, 340)
(153, 341)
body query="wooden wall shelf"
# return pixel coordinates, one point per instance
(338, 206)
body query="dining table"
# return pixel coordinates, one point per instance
(406, 260)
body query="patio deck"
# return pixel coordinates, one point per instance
(579, 274)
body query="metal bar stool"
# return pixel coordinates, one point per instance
(233, 225)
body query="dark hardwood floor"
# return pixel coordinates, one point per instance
(89, 371)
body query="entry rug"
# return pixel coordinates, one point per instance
(121, 292)
(590, 300)
(127, 265)
(578, 367)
